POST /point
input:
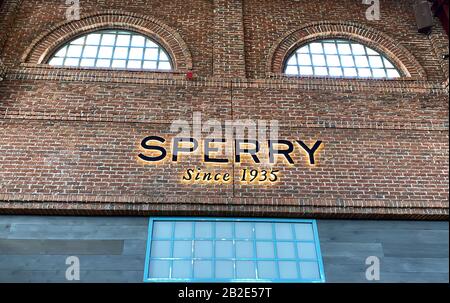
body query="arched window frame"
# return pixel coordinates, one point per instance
(337, 41)
(114, 31)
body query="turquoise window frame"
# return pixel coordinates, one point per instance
(315, 240)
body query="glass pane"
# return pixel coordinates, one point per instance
(320, 71)
(304, 59)
(182, 249)
(286, 250)
(103, 63)
(87, 62)
(318, 60)
(303, 50)
(138, 41)
(292, 60)
(361, 61)
(56, 61)
(159, 269)
(245, 270)
(306, 250)
(265, 250)
(344, 49)
(93, 39)
(182, 269)
(224, 249)
(291, 70)
(61, 52)
(183, 230)
(105, 52)
(149, 65)
(364, 72)
(203, 269)
(164, 66)
(387, 64)
(90, 51)
(79, 41)
(358, 49)
(304, 232)
(74, 51)
(309, 270)
(123, 40)
(121, 53)
(283, 231)
(392, 73)
(108, 39)
(316, 48)
(163, 56)
(224, 230)
(335, 71)
(333, 60)
(379, 73)
(119, 63)
(263, 231)
(203, 230)
(134, 64)
(267, 270)
(160, 249)
(162, 230)
(288, 270)
(306, 71)
(347, 61)
(203, 249)
(244, 249)
(330, 48)
(244, 230)
(224, 269)
(375, 62)
(350, 72)
(151, 54)
(71, 62)
(136, 53)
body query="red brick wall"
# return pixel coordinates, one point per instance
(69, 138)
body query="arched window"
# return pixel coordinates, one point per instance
(113, 49)
(339, 58)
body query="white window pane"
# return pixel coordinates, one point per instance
(306, 250)
(90, 51)
(306, 70)
(318, 60)
(151, 54)
(150, 43)
(245, 270)
(123, 40)
(283, 231)
(347, 61)
(56, 61)
(71, 62)
(105, 52)
(120, 53)
(87, 62)
(291, 70)
(304, 232)
(320, 71)
(202, 269)
(344, 49)
(159, 269)
(375, 62)
(364, 72)
(203, 249)
(265, 250)
(93, 39)
(316, 48)
(164, 66)
(392, 73)
(267, 270)
(333, 60)
(160, 249)
(136, 53)
(244, 230)
(162, 230)
(108, 39)
(149, 65)
(292, 60)
(203, 230)
(358, 49)
(371, 51)
(335, 71)
(304, 59)
(309, 270)
(134, 64)
(224, 249)
(350, 72)
(244, 249)
(379, 73)
(303, 50)
(263, 231)
(79, 41)
(361, 61)
(224, 269)
(163, 56)
(330, 48)
(183, 230)
(224, 230)
(138, 41)
(286, 250)
(182, 249)
(387, 64)
(103, 63)
(74, 51)
(181, 269)
(61, 52)
(288, 270)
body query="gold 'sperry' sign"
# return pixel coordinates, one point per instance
(153, 152)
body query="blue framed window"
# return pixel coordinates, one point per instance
(233, 250)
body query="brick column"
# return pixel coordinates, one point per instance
(229, 53)
(2, 70)
(8, 11)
